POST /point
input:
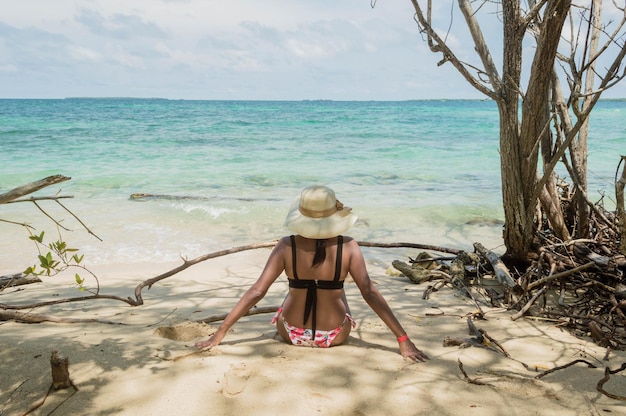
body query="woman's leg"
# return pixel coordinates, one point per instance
(343, 335)
(280, 327)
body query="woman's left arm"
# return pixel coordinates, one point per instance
(377, 302)
(273, 268)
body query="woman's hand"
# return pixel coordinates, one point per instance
(409, 350)
(207, 344)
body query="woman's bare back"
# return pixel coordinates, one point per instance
(331, 307)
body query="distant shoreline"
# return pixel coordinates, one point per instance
(261, 101)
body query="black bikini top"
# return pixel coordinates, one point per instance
(311, 286)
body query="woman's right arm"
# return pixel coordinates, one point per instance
(377, 302)
(273, 268)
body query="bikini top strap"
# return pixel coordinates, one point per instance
(293, 255)
(338, 263)
(310, 303)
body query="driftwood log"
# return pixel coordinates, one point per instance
(166, 197)
(416, 275)
(502, 272)
(20, 191)
(37, 318)
(17, 279)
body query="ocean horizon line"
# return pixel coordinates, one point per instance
(320, 100)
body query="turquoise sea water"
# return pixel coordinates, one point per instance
(418, 171)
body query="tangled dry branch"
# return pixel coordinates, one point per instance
(579, 284)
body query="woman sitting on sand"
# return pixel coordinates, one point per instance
(317, 260)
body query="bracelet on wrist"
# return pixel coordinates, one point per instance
(403, 338)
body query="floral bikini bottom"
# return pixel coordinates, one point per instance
(304, 336)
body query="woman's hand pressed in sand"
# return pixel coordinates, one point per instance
(409, 350)
(207, 344)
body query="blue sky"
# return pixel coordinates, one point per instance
(236, 49)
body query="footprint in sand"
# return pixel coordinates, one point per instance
(318, 402)
(235, 380)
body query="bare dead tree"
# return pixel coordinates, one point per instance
(539, 118)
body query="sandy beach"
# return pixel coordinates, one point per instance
(176, 129)
(147, 365)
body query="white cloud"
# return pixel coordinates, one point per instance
(8, 68)
(208, 46)
(118, 53)
(244, 49)
(80, 53)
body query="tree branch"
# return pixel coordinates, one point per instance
(40, 198)
(188, 263)
(138, 300)
(607, 376)
(533, 13)
(559, 275)
(253, 311)
(410, 245)
(440, 46)
(481, 45)
(78, 219)
(31, 187)
(570, 135)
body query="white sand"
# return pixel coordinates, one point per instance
(135, 369)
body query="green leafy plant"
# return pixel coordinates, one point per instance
(56, 257)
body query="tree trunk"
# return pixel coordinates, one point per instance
(578, 149)
(519, 159)
(524, 187)
(518, 230)
(548, 195)
(620, 210)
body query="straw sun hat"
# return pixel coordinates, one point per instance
(317, 214)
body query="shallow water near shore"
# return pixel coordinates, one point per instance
(225, 172)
